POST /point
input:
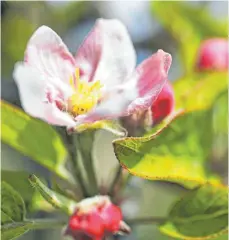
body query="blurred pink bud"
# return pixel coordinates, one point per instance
(96, 218)
(213, 55)
(164, 104)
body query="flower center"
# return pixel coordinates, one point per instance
(86, 96)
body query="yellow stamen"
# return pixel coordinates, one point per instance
(86, 95)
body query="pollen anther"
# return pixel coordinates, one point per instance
(86, 96)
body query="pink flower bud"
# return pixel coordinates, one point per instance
(161, 108)
(94, 219)
(164, 103)
(213, 55)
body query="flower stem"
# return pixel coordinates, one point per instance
(85, 143)
(43, 224)
(146, 220)
(115, 181)
(71, 145)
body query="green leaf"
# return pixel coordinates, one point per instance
(15, 229)
(177, 152)
(220, 127)
(220, 111)
(33, 138)
(12, 210)
(202, 213)
(222, 237)
(199, 91)
(189, 25)
(19, 180)
(13, 207)
(56, 200)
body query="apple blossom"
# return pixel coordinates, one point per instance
(100, 82)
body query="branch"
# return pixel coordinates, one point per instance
(146, 220)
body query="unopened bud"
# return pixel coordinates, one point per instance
(213, 55)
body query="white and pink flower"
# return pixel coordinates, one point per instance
(100, 82)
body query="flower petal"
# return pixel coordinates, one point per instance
(137, 93)
(112, 216)
(151, 75)
(32, 87)
(107, 54)
(47, 52)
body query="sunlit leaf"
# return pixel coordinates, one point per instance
(220, 127)
(222, 237)
(220, 109)
(202, 213)
(175, 153)
(33, 138)
(199, 91)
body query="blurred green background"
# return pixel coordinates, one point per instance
(176, 27)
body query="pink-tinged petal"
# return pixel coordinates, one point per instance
(33, 87)
(112, 216)
(107, 54)
(151, 76)
(47, 52)
(53, 115)
(137, 93)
